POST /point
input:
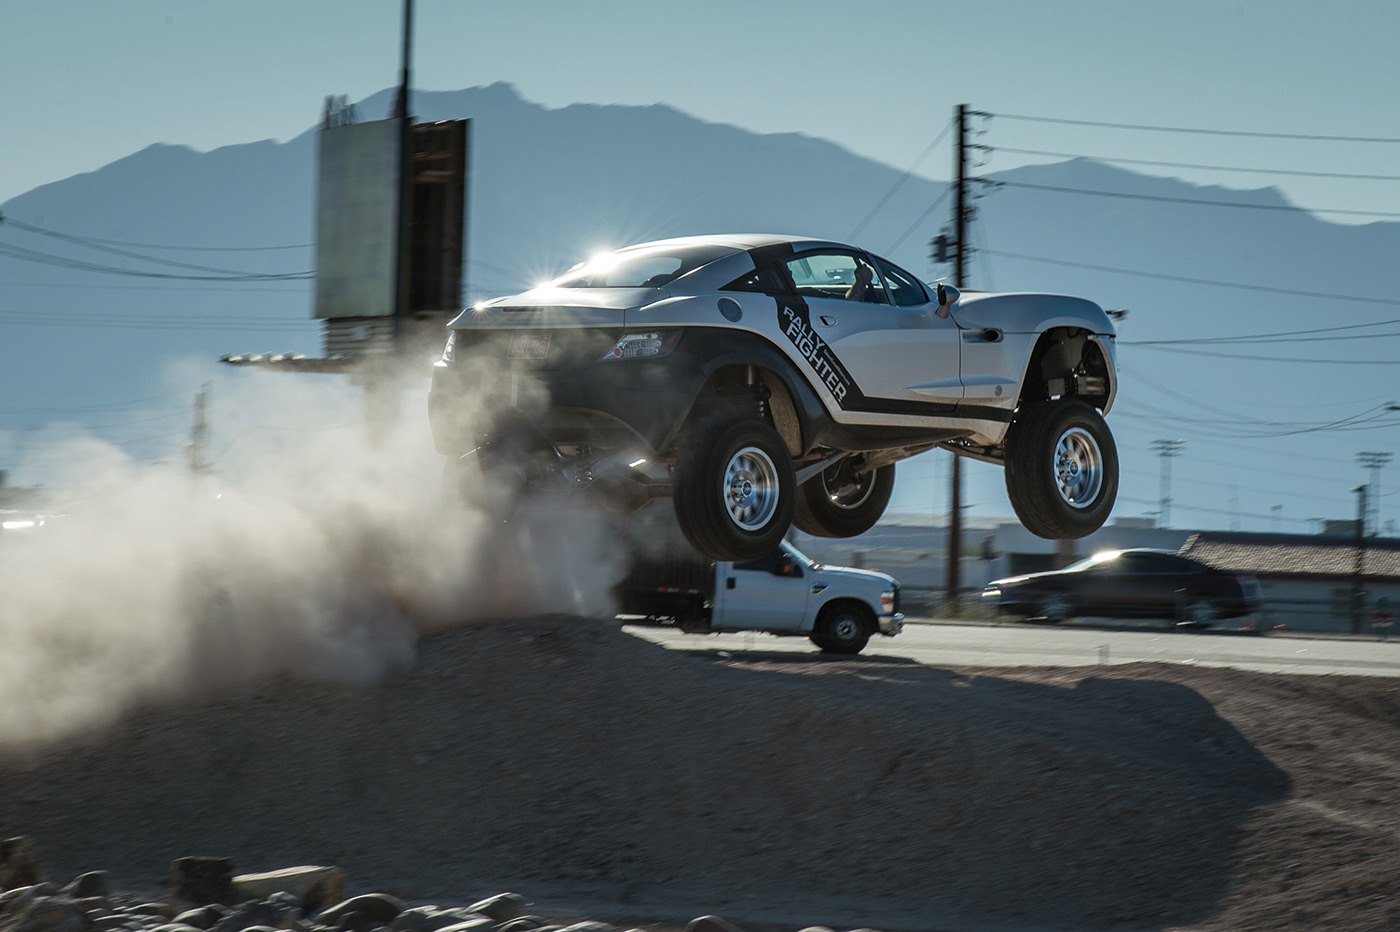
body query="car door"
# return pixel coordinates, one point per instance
(879, 324)
(1142, 585)
(770, 592)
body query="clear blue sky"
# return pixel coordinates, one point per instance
(86, 82)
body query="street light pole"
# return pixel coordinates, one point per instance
(1167, 450)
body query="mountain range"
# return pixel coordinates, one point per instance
(1268, 440)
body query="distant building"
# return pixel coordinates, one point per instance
(1311, 582)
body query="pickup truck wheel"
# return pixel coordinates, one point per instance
(1061, 469)
(733, 489)
(843, 501)
(844, 629)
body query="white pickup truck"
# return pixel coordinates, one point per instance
(782, 593)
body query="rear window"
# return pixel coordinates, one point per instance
(644, 268)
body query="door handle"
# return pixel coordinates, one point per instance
(827, 320)
(729, 583)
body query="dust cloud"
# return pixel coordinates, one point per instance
(306, 549)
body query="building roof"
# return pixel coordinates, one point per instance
(1295, 555)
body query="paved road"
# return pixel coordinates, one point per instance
(942, 643)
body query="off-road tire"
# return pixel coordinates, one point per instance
(1061, 469)
(733, 488)
(844, 628)
(839, 502)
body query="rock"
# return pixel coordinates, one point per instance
(431, 919)
(93, 883)
(19, 863)
(50, 914)
(12, 901)
(202, 917)
(523, 924)
(353, 921)
(711, 924)
(375, 907)
(200, 881)
(256, 913)
(589, 926)
(315, 887)
(503, 907)
(479, 924)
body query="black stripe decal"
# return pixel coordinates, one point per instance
(794, 320)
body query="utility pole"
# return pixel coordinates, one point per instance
(1357, 594)
(199, 435)
(1167, 450)
(1373, 461)
(960, 218)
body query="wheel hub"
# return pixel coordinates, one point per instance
(751, 488)
(1078, 468)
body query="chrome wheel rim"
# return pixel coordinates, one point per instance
(844, 489)
(1078, 468)
(751, 489)
(846, 629)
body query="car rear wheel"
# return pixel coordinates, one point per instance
(1054, 608)
(1200, 613)
(733, 486)
(843, 500)
(844, 629)
(1061, 469)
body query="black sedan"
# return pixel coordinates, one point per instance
(1127, 584)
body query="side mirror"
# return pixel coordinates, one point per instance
(947, 294)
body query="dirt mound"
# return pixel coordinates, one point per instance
(566, 759)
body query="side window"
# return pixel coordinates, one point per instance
(778, 563)
(905, 289)
(768, 280)
(840, 275)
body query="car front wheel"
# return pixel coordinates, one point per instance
(1061, 469)
(733, 485)
(843, 500)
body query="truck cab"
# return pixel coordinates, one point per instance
(784, 593)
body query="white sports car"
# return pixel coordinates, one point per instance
(763, 381)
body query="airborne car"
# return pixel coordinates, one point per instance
(763, 381)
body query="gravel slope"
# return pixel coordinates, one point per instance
(566, 760)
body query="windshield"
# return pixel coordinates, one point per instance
(640, 268)
(796, 554)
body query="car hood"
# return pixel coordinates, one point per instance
(1027, 578)
(851, 572)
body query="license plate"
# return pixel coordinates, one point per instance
(528, 346)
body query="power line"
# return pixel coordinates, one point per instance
(1202, 202)
(1295, 292)
(43, 258)
(922, 217)
(85, 240)
(1197, 130)
(1217, 168)
(109, 322)
(1328, 362)
(107, 286)
(908, 173)
(112, 250)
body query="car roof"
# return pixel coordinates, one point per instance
(740, 241)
